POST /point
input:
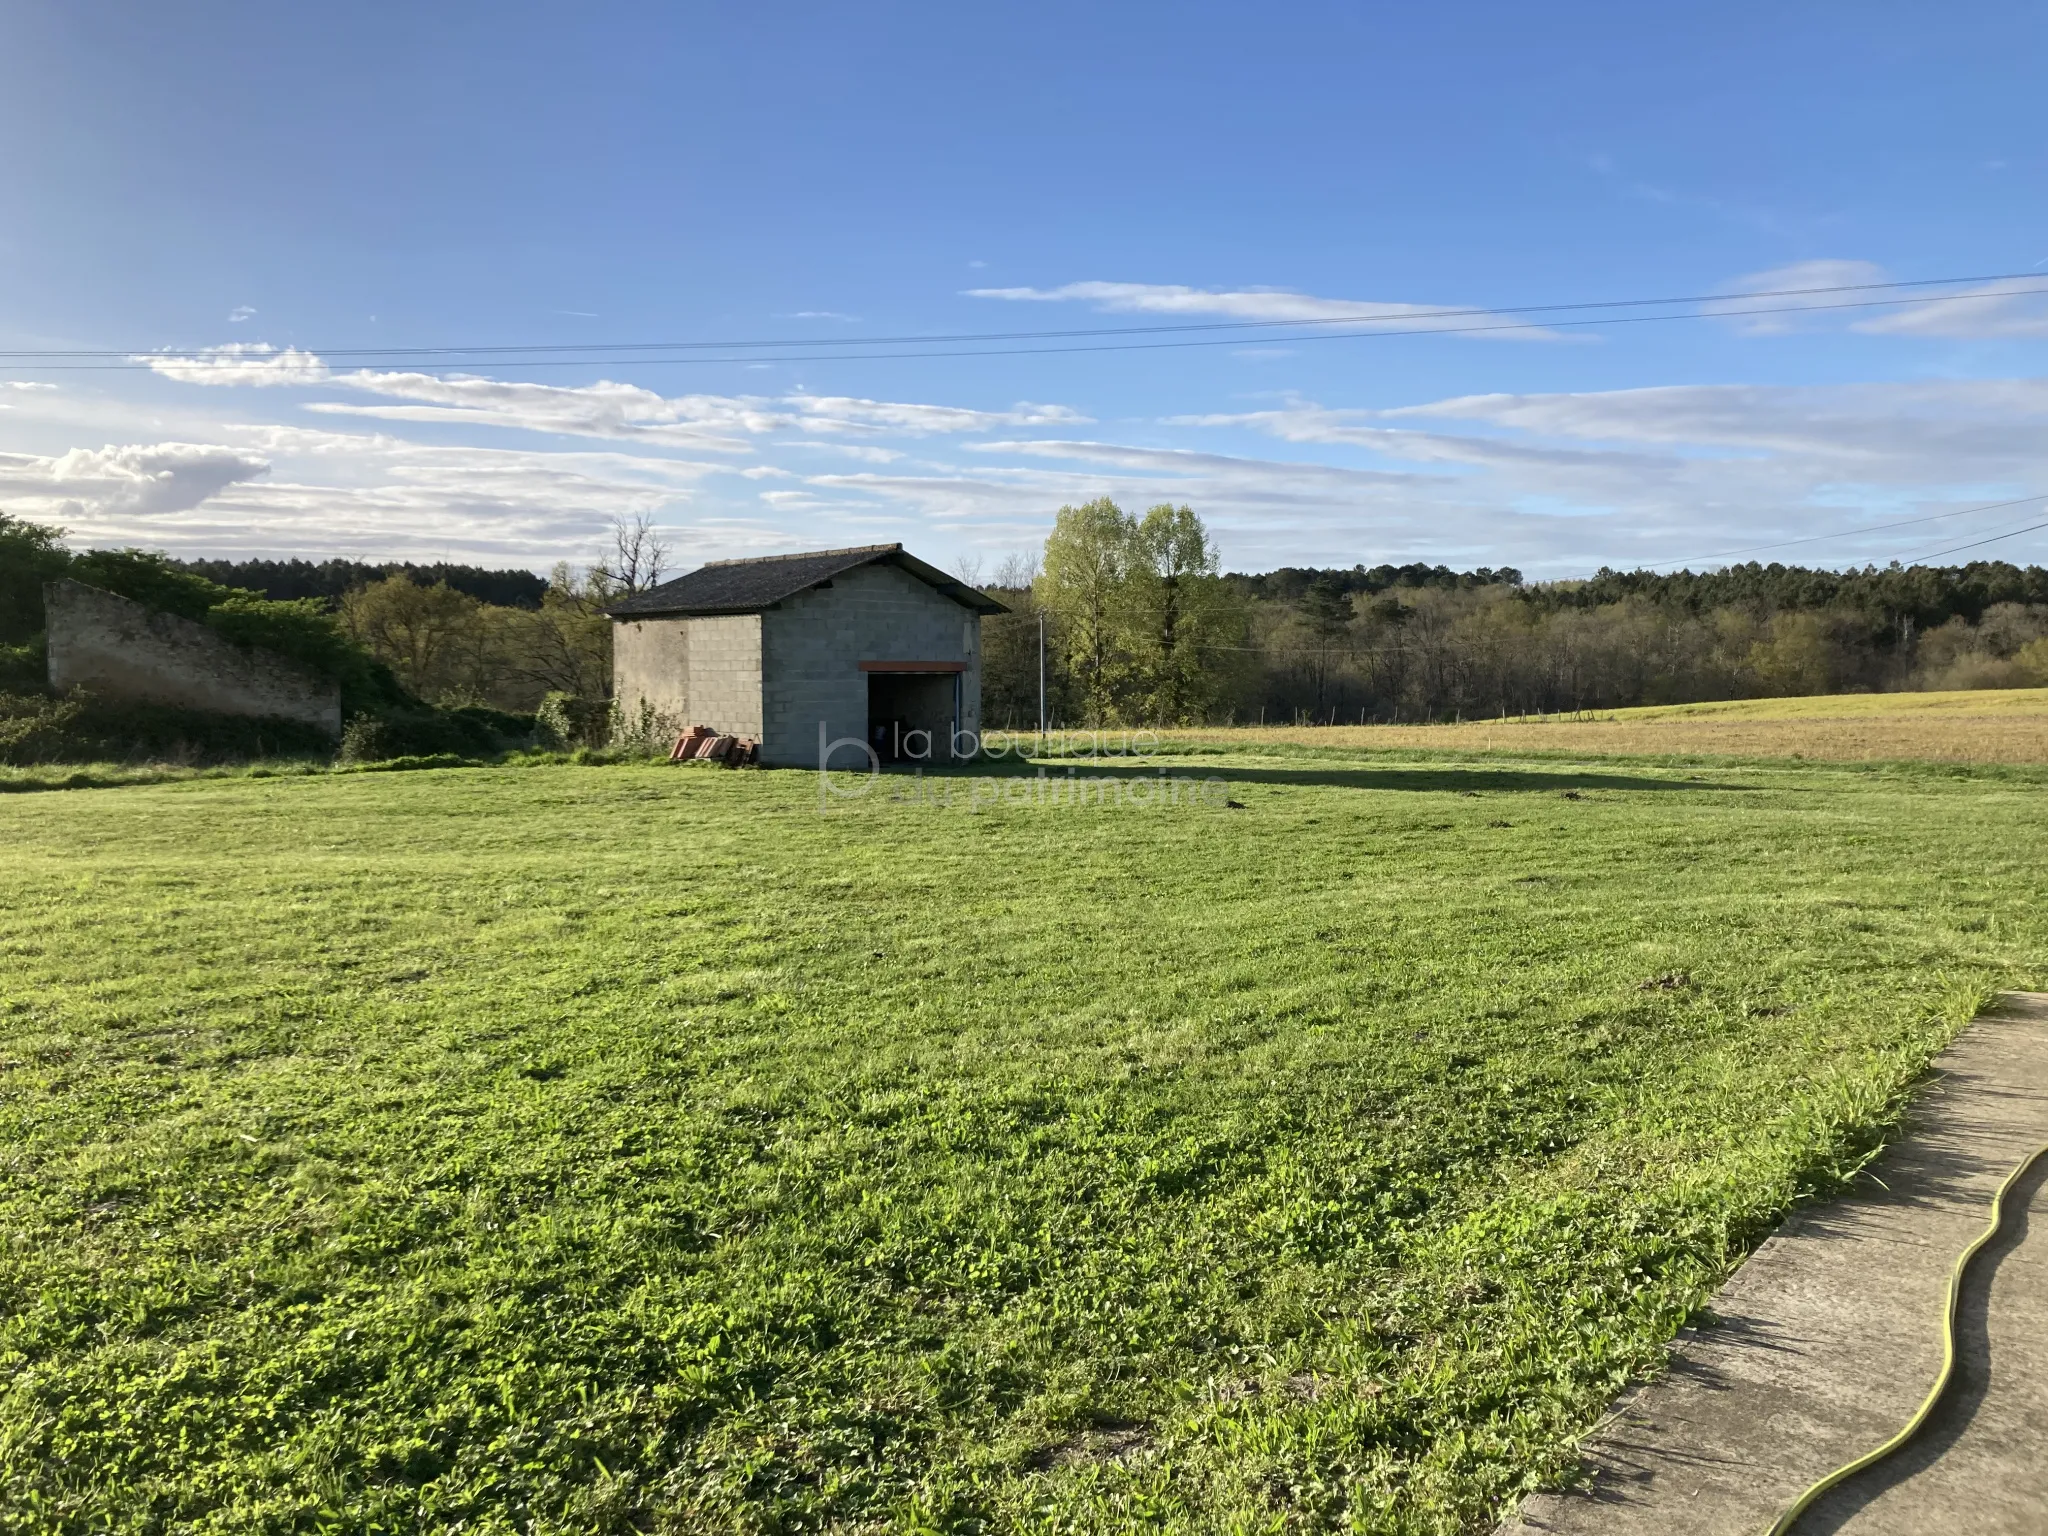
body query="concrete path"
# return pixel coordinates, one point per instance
(1827, 1338)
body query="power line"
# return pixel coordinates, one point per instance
(1132, 330)
(226, 368)
(1994, 539)
(1848, 533)
(1365, 326)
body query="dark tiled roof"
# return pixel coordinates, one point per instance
(748, 586)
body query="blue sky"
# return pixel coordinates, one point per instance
(314, 181)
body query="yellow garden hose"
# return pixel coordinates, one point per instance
(1841, 1474)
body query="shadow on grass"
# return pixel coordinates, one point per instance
(1447, 779)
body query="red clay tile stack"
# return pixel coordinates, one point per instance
(702, 744)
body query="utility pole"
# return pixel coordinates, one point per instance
(1041, 679)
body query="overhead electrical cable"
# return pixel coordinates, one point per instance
(1996, 538)
(1127, 330)
(1849, 533)
(538, 355)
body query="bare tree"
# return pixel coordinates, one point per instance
(637, 559)
(1017, 571)
(968, 569)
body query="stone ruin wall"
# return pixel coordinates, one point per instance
(122, 650)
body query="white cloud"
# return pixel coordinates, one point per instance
(1189, 461)
(1307, 423)
(287, 490)
(1556, 483)
(1278, 305)
(603, 409)
(842, 413)
(722, 423)
(137, 480)
(1785, 281)
(255, 363)
(26, 387)
(867, 453)
(1942, 428)
(1571, 480)
(240, 313)
(1991, 310)
(607, 409)
(1987, 310)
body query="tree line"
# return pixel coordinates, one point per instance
(332, 580)
(1141, 627)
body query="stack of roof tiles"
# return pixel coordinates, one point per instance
(700, 743)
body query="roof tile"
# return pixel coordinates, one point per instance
(748, 586)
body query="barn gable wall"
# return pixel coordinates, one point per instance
(813, 645)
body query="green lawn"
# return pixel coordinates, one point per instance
(576, 1149)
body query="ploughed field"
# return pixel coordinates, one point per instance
(587, 1149)
(2007, 725)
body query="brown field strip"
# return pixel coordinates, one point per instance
(2006, 737)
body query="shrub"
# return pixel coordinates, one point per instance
(646, 732)
(24, 668)
(423, 732)
(565, 722)
(513, 729)
(35, 728)
(408, 764)
(301, 631)
(1975, 669)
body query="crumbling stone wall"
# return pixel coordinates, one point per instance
(123, 650)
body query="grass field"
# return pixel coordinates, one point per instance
(2008, 725)
(565, 1149)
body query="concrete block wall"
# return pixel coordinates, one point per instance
(651, 662)
(725, 673)
(812, 646)
(122, 650)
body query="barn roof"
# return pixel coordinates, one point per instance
(748, 586)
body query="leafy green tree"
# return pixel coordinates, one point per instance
(434, 637)
(1085, 582)
(1182, 617)
(30, 554)
(563, 647)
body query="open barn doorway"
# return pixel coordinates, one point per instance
(912, 715)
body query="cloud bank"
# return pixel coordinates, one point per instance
(1274, 305)
(719, 423)
(1556, 482)
(132, 481)
(2014, 308)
